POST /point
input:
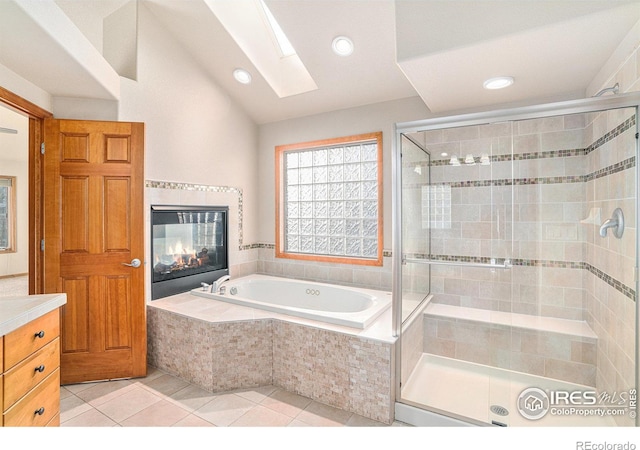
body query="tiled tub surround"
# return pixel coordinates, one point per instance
(369, 277)
(562, 171)
(219, 346)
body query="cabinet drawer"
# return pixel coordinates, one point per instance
(21, 378)
(25, 340)
(1, 357)
(55, 422)
(44, 398)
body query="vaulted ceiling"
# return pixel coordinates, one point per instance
(441, 51)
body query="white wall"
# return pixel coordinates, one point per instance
(195, 132)
(13, 82)
(623, 66)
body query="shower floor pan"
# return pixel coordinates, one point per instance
(469, 390)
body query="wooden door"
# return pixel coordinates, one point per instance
(93, 222)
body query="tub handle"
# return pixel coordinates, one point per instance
(616, 223)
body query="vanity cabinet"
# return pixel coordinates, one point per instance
(30, 380)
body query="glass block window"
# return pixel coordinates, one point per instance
(330, 200)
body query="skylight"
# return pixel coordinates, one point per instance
(283, 42)
(254, 29)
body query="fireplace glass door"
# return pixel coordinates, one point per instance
(189, 247)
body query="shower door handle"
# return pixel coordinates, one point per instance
(134, 263)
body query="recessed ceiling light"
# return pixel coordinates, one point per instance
(498, 82)
(342, 46)
(242, 76)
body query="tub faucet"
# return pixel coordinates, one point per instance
(215, 286)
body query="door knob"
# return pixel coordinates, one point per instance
(134, 263)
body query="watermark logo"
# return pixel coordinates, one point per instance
(534, 403)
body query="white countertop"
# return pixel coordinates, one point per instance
(20, 310)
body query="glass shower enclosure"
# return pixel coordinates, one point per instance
(514, 261)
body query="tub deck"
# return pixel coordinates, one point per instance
(341, 305)
(215, 311)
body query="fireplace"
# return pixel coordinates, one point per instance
(188, 247)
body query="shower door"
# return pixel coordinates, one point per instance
(516, 281)
(416, 217)
(457, 251)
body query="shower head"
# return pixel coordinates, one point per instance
(615, 88)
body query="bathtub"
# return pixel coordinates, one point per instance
(339, 305)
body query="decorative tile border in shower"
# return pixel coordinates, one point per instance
(516, 157)
(616, 284)
(628, 163)
(617, 131)
(207, 188)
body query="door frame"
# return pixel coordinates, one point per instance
(36, 117)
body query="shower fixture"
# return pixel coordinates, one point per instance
(616, 222)
(615, 88)
(470, 160)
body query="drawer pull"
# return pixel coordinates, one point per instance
(39, 334)
(40, 368)
(39, 412)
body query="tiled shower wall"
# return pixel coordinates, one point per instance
(565, 177)
(526, 207)
(610, 307)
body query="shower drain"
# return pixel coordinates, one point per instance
(499, 410)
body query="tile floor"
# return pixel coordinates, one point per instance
(162, 400)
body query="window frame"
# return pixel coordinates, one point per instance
(280, 152)
(11, 213)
